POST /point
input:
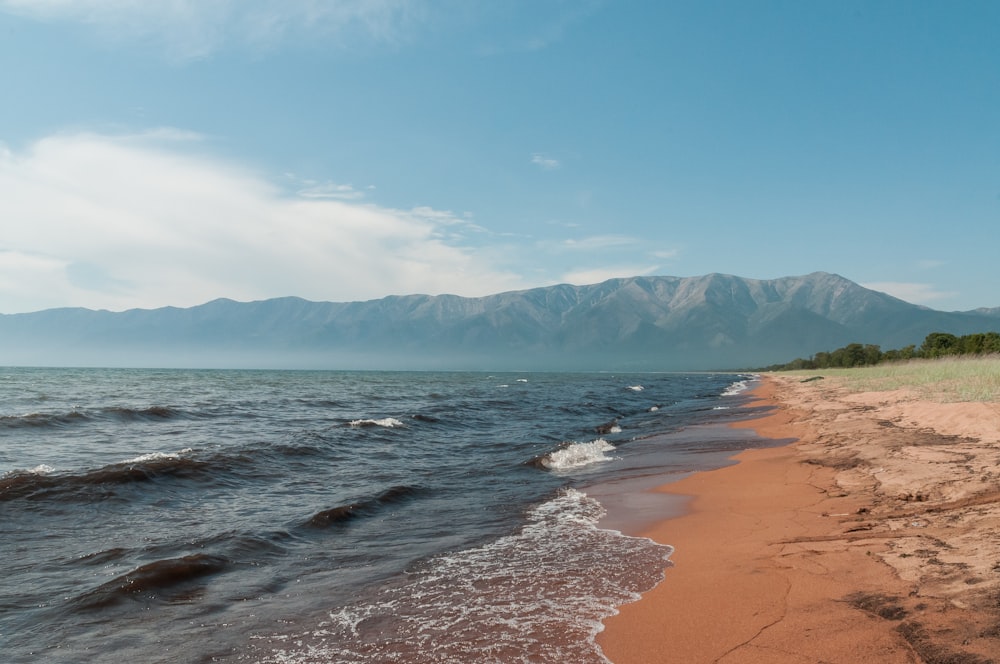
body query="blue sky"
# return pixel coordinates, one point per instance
(160, 153)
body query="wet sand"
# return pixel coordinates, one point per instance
(873, 538)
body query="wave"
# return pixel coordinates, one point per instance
(320, 403)
(38, 420)
(78, 417)
(536, 595)
(344, 513)
(608, 427)
(104, 557)
(735, 388)
(739, 386)
(43, 482)
(635, 388)
(151, 413)
(20, 483)
(301, 448)
(576, 455)
(152, 579)
(157, 456)
(387, 422)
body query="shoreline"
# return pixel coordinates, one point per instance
(851, 543)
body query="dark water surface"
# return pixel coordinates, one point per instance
(198, 516)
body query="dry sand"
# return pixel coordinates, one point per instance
(874, 538)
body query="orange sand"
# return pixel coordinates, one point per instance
(874, 538)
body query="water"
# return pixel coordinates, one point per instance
(269, 516)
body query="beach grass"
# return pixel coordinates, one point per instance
(948, 379)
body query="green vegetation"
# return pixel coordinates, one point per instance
(944, 379)
(944, 368)
(935, 345)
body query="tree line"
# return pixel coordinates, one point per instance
(936, 344)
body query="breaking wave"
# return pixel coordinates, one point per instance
(43, 482)
(577, 455)
(538, 595)
(739, 386)
(387, 422)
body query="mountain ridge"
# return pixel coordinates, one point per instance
(657, 323)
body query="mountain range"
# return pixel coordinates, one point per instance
(664, 323)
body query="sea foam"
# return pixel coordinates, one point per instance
(157, 456)
(537, 595)
(738, 386)
(577, 455)
(387, 422)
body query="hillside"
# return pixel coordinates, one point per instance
(647, 323)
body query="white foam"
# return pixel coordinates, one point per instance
(158, 456)
(537, 595)
(740, 385)
(387, 422)
(653, 409)
(577, 455)
(41, 469)
(636, 388)
(734, 389)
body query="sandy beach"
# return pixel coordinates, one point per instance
(873, 538)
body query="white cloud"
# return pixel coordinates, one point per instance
(915, 293)
(599, 242)
(598, 274)
(191, 29)
(118, 222)
(666, 254)
(563, 224)
(344, 192)
(611, 242)
(544, 162)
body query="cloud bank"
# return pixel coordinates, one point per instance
(118, 222)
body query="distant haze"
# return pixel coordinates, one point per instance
(640, 323)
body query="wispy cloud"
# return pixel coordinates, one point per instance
(192, 29)
(599, 242)
(552, 20)
(544, 162)
(344, 192)
(917, 293)
(598, 274)
(136, 221)
(615, 243)
(665, 254)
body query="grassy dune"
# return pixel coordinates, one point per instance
(943, 380)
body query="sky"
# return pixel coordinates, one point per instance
(170, 152)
